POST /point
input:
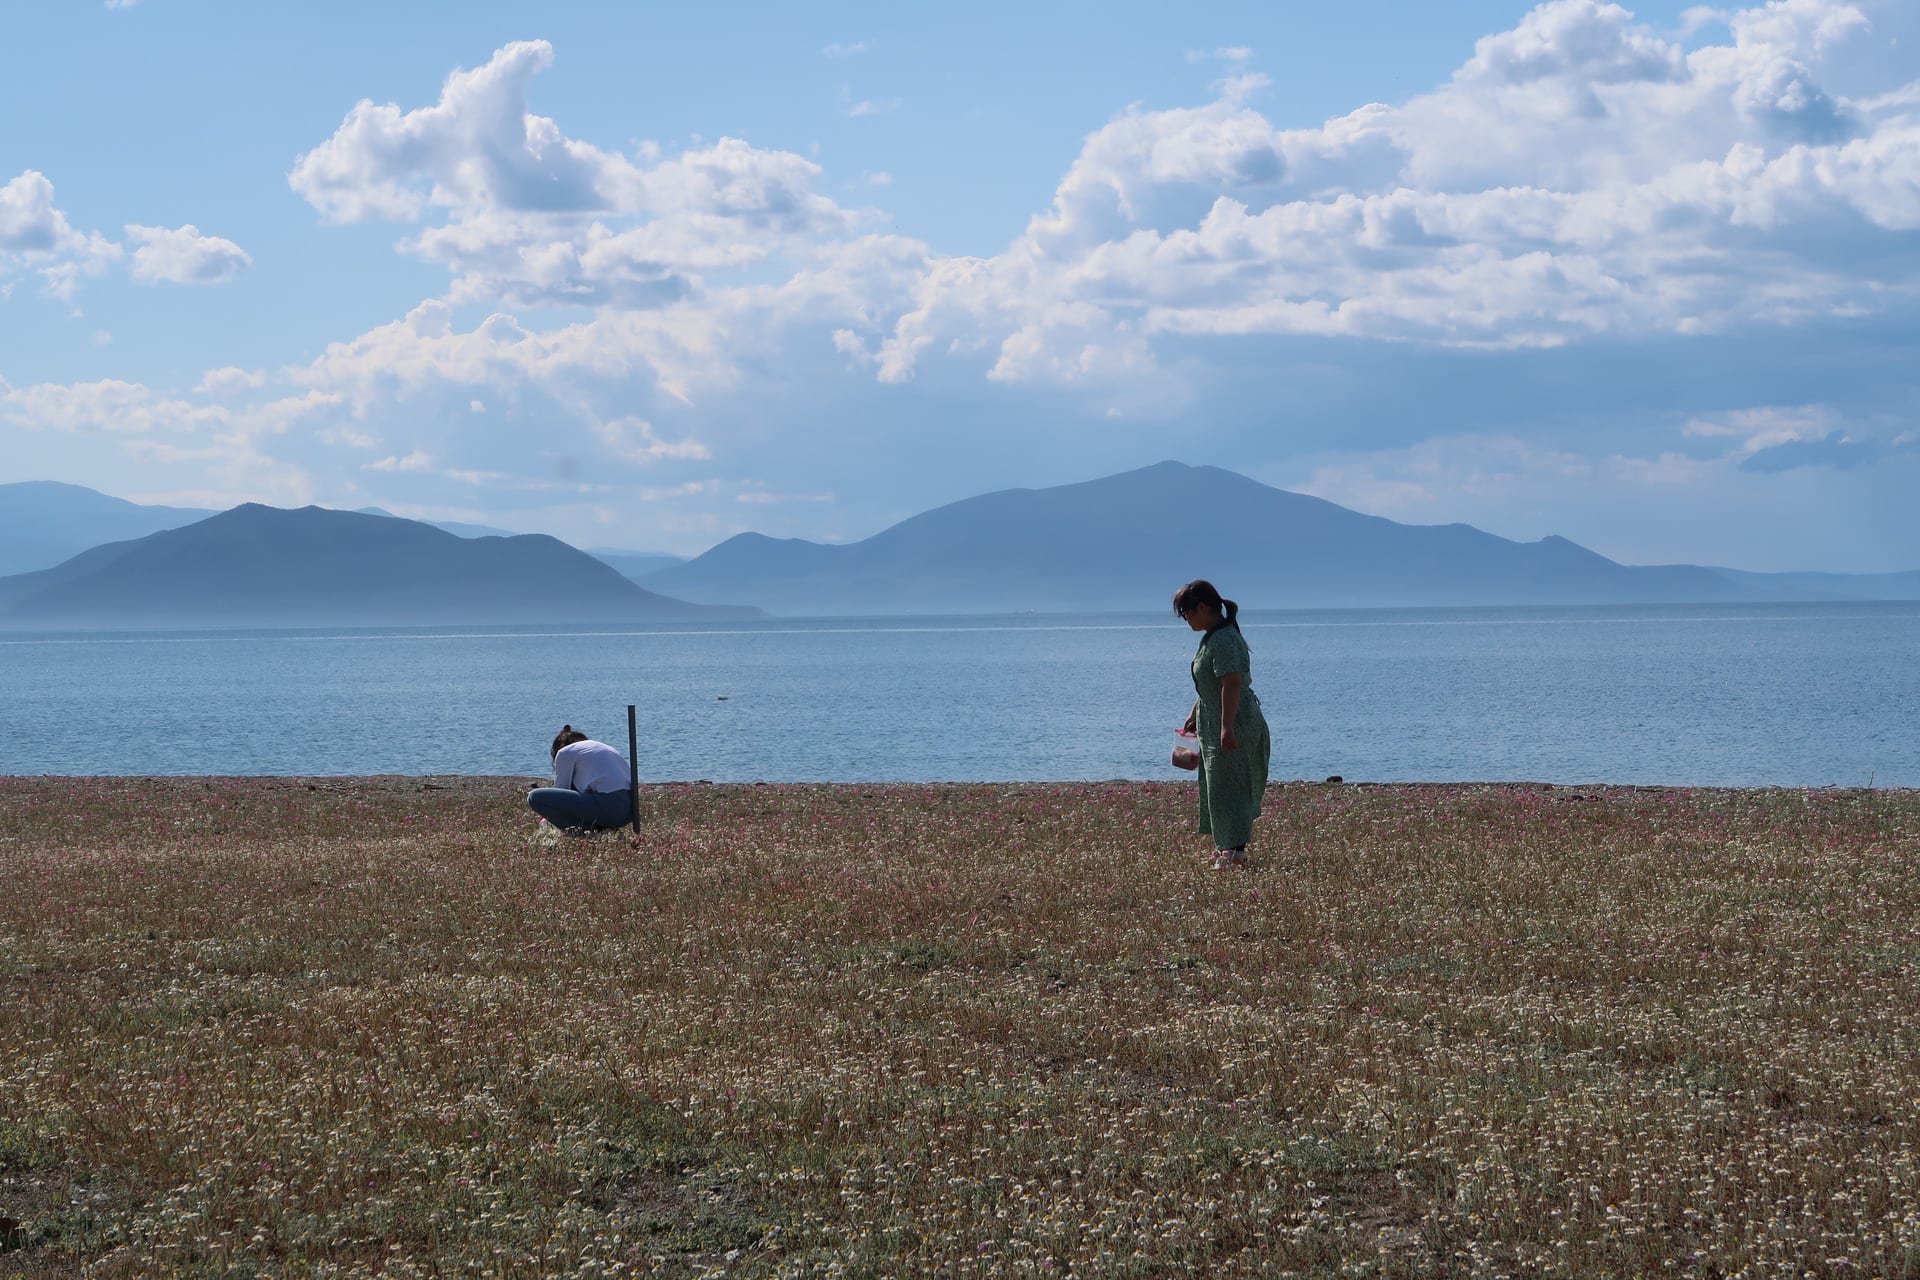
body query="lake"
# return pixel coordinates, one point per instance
(1791, 695)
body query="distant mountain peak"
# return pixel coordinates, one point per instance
(1125, 541)
(260, 565)
(44, 523)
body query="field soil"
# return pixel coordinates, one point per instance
(358, 1027)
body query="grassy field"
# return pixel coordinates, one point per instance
(367, 1027)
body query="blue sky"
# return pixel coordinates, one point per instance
(644, 277)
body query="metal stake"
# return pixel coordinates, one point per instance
(633, 767)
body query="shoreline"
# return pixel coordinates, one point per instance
(453, 781)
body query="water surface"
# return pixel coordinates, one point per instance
(1727, 695)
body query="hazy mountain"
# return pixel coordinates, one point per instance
(20, 586)
(635, 565)
(257, 565)
(457, 528)
(43, 522)
(632, 565)
(1127, 541)
(1831, 586)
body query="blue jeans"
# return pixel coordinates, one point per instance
(582, 810)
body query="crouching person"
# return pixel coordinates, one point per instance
(592, 786)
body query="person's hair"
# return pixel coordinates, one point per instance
(1201, 592)
(567, 736)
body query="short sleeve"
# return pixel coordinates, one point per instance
(1227, 653)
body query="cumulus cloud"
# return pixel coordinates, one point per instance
(108, 405)
(217, 432)
(36, 237)
(477, 146)
(28, 221)
(525, 216)
(1835, 449)
(1769, 439)
(415, 461)
(228, 381)
(634, 439)
(1580, 175)
(184, 256)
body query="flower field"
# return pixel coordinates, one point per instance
(368, 1027)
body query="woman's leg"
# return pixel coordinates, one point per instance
(582, 810)
(564, 807)
(1230, 803)
(611, 809)
(1206, 816)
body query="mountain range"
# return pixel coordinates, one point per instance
(256, 565)
(1125, 542)
(43, 522)
(1121, 544)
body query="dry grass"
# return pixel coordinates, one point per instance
(270, 1027)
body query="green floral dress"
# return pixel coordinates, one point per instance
(1232, 783)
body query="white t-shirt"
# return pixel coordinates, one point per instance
(591, 766)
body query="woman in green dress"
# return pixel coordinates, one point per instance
(1234, 745)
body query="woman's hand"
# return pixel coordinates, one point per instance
(1193, 720)
(1227, 741)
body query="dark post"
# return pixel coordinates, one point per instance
(633, 767)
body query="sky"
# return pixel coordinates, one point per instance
(644, 277)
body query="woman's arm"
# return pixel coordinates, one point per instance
(1229, 708)
(1193, 717)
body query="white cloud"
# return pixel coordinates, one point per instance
(28, 221)
(838, 50)
(634, 440)
(477, 147)
(691, 488)
(184, 256)
(524, 216)
(766, 497)
(35, 236)
(1580, 175)
(230, 381)
(231, 443)
(1763, 426)
(871, 107)
(415, 461)
(108, 405)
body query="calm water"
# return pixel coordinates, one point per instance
(1741, 695)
